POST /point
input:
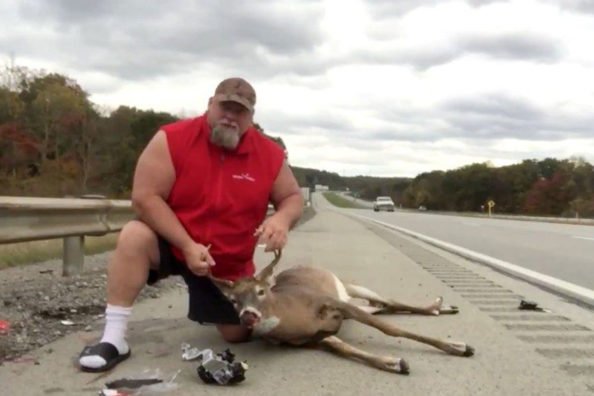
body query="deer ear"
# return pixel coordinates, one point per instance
(269, 269)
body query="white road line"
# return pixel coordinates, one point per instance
(581, 237)
(564, 287)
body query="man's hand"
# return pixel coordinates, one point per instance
(198, 259)
(273, 232)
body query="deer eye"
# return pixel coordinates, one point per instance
(261, 292)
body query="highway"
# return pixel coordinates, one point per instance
(562, 251)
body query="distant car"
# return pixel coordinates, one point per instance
(383, 203)
(422, 207)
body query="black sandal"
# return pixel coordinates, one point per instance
(108, 352)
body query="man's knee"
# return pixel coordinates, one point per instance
(136, 237)
(234, 333)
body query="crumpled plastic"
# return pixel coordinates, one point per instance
(189, 352)
(219, 368)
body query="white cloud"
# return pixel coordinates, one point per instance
(375, 87)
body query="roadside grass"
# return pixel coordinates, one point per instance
(341, 201)
(16, 254)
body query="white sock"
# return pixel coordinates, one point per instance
(116, 324)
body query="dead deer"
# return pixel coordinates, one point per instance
(306, 307)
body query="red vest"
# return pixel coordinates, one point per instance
(220, 196)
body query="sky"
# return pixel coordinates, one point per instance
(375, 87)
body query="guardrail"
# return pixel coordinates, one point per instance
(24, 219)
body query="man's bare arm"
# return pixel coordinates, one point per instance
(153, 180)
(286, 196)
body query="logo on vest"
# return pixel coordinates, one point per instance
(244, 176)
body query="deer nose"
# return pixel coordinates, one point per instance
(249, 317)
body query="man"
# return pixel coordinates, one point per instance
(201, 191)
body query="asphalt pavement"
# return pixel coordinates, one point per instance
(517, 351)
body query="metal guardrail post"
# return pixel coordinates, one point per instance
(73, 251)
(24, 219)
(74, 255)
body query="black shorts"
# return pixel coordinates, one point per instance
(207, 305)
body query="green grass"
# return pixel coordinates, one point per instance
(32, 252)
(341, 202)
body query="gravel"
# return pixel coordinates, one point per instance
(40, 305)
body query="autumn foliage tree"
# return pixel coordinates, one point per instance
(548, 196)
(54, 142)
(549, 187)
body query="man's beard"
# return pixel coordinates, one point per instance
(226, 137)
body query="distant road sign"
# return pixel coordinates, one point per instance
(490, 204)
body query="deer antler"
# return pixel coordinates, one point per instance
(267, 271)
(221, 282)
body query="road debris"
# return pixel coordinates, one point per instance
(4, 327)
(527, 305)
(144, 384)
(189, 352)
(219, 368)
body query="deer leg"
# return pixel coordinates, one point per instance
(387, 363)
(372, 309)
(391, 306)
(353, 312)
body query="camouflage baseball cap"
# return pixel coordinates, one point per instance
(238, 90)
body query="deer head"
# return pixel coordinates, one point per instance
(250, 295)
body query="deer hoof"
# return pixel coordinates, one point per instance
(398, 366)
(469, 351)
(435, 308)
(448, 309)
(404, 368)
(460, 349)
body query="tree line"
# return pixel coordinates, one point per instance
(534, 187)
(548, 187)
(55, 142)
